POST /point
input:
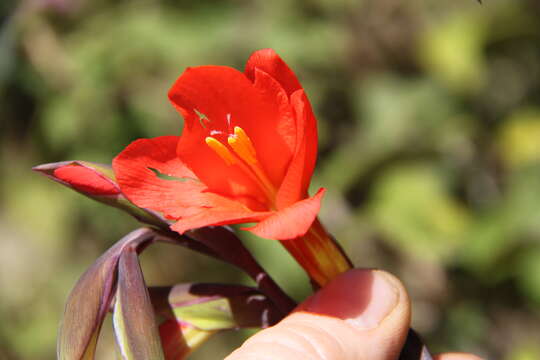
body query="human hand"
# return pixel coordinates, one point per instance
(362, 314)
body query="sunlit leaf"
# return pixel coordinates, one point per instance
(519, 143)
(453, 51)
(416, 213)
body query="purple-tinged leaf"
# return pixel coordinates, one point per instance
(215, 306)
(194, 312)
(135, 326)
(90, 300)
(180, 339)
(228, 247)
(97, 182)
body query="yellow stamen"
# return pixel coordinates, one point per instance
(221, 150)
(242, 145)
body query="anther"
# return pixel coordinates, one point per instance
(221, 150)
(242, 145)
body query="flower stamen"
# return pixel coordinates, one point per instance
(242, 146)
(243, 155)
(221, 150)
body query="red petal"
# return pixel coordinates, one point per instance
(296, 182)
(216, 217)
(291, 222)
(86, 180)
(286, 126)
(144, 188)
(269, 61)
(219, 92)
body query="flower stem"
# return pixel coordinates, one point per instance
(319, 254)
(222, 243)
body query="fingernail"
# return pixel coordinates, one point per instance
(363, 298)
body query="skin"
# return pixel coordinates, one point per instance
(362, 314)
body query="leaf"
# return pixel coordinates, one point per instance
(134, 323)
(90, 300)
(228, 247)
(215, 306)
(194, 312)
(180, 339)
(412, 206)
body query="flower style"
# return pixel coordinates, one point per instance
(246, 154)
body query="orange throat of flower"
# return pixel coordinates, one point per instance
(241, 152)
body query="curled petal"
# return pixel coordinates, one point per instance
(290, 222)
(296, 182)
(269, 61)
(286, 125)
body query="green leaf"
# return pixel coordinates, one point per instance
(518, 143)
(414, 210)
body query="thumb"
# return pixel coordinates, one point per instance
(362, 314)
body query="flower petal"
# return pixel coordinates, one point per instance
(151, 176)
(86, 180)
(216, 217)
(286, 127)
(207, 97)
(291, 222)
(296, 182)
(269, 61)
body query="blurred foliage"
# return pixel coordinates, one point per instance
(429, 116)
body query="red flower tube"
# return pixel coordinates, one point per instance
(246, 155)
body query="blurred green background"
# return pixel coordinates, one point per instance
(429, 118)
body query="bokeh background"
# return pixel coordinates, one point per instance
(429, 118)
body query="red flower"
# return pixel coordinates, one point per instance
(246, 153)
